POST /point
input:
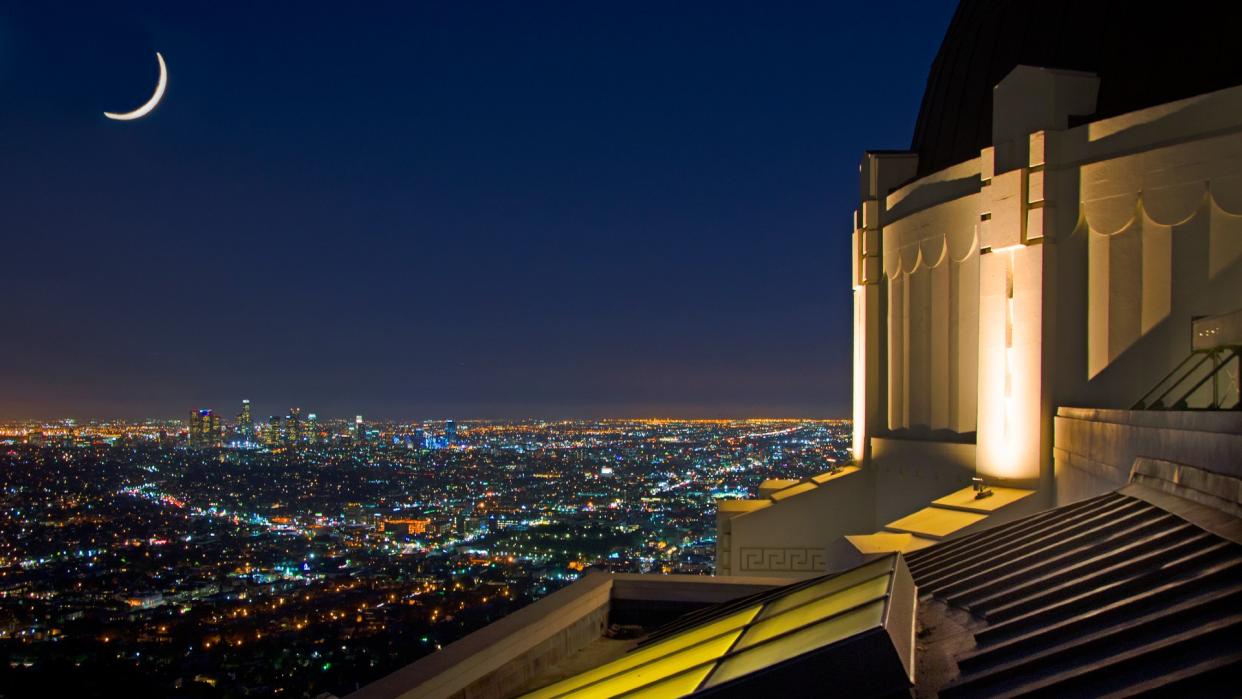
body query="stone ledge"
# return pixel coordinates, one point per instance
(1082, 463)
(501, 658)
(521, 636)
(1215, 490)
(1224, 421)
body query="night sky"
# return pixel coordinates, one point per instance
(455, 209)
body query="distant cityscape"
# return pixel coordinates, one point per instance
(299, 555)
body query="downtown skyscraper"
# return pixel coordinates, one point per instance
(245, 422)
(205, 429)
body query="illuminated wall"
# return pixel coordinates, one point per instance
(931, 264)
(1157, 223)
(1060, 267)
(878, 174)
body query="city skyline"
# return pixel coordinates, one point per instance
(491, 213)
(300, 566)
(235, 421)
(572, 351)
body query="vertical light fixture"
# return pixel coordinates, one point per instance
(1009, 343)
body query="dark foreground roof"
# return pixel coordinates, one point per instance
(1111, 596)
(1144, 54)
(853, 630)
(1133, 593)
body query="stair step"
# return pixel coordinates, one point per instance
(1119, 573)
(1156, 588)
(982, 548)
(1058, 563)
(1219, 676)
(1084, 535)
(965, 545)
(1204, 639)
(934, 522)
(966, 501)
(993, 661)
(885, 542)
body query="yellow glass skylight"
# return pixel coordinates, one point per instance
(675, 686)
(776, 628)
(729, 625)
(812, 612)
(809, 638)
(827, 587)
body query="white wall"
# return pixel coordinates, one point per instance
(1061, 267)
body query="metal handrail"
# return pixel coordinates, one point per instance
(1142, 404)
(1215, 370)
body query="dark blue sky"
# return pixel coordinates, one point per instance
(442, 209)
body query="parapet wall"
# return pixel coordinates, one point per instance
(504, 657)
(1095, 449)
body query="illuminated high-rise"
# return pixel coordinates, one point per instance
(205, 429)
(294, 426)
(195, 431)
(245, 422)
(312, 428)
(450, 431)
(275, 432)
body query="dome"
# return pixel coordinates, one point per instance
(1144, 56)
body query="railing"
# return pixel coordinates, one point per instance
(1186, 387)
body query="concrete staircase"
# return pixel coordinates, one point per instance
(1110, 596)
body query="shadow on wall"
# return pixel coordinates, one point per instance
(1158, 242)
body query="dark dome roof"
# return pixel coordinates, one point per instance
(1144, 54)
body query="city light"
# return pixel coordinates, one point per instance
(270, 550)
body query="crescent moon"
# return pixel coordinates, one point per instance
(150, 104)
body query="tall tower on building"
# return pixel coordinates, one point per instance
(360, 431)
(196, 430)
(245, 422)
(275, 432)
(294, 426)
(312, 428)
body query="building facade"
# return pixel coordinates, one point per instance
(1047, 285)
